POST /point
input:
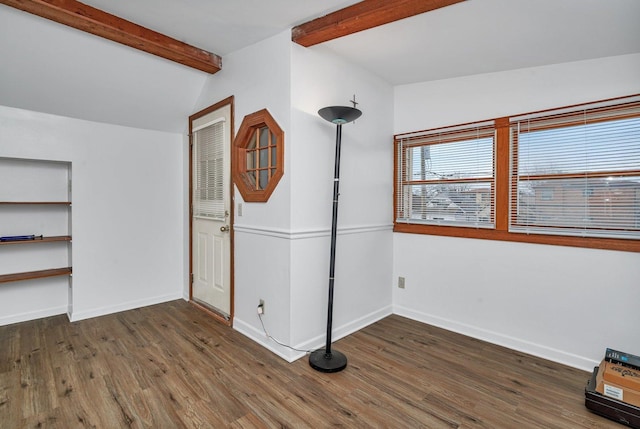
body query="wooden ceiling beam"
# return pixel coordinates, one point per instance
(361, 16)
(95, 21)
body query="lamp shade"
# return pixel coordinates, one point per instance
(339, 114)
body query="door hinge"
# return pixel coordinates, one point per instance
(191, 278)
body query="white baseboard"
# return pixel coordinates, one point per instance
(258, 335)
(129, 305)
(538, 350)
(32, 315)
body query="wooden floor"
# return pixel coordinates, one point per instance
(171, 366)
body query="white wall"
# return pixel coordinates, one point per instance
(493, 95)
(127, 212)
(363, 249)
(565, 304)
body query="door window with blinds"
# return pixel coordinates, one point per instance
(577, 171)
(446, 176)
(208, 198)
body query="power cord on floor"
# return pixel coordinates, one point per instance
(273, 339)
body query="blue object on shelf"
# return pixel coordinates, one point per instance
(19, 237)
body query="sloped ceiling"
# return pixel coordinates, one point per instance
(219, 26)
(52, 68)
(483, 36)
(471, 37)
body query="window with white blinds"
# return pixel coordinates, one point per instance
(577, 171)
(446, 176)
(208, 191)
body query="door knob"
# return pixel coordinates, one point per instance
(224, 228)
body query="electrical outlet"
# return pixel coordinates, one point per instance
(239, 209)
(261, 307)
(401, 282)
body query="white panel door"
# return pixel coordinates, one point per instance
(211, 242)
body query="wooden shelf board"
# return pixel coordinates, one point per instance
(5, 278)
(39, 240)
(63, 203)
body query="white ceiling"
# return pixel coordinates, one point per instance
(48, 67)
(219, 26)
(475, 36)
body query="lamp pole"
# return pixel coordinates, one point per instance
(327, 360)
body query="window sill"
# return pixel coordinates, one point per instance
(492, 234)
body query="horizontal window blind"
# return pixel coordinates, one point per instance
(208, 191)
(576, 171)
(446, 176)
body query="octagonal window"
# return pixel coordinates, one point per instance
(259, 150)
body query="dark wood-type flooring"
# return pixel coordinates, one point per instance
(172, 366)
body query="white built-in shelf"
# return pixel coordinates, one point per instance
(35, 201)
(38, 274)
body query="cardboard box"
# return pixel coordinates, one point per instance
(608, 407)
(613, 389)
(621, 375)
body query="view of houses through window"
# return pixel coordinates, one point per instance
(448, 177)
(572, 172)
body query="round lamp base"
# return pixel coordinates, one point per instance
(331, 362)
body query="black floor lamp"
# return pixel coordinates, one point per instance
(327, 360)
